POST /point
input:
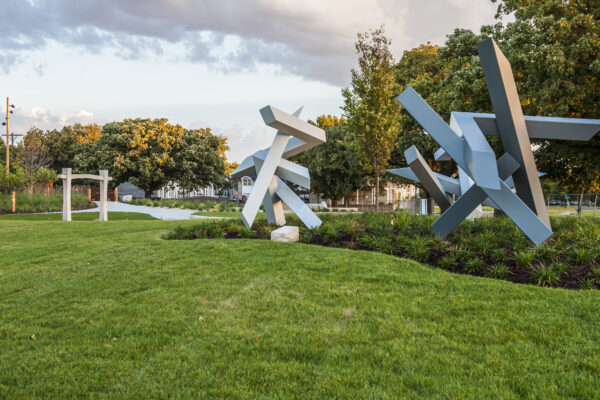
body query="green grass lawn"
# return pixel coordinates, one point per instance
(230, 214)
(110, 310)
(84, 216)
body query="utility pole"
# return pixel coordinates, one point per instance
(8, 112)
(7, 145)
(12, 138)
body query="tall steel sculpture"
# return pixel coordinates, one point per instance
(293, 137)
(482, 178)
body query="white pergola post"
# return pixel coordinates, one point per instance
(66, 215)
(103, 195)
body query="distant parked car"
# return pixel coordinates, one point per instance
(555, 203)
(305, 197)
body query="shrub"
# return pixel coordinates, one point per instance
(226, 206)
(328, 233)
(560, 268)
(464, 255)
(498, 271)
(544, 252)
(384, 245)
(581, 256)
(586, 283)
(498, 255)
(474, 265)
(447, 262)
(545, 276)
(418, 249)
(524, 258)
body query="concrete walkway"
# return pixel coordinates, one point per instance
(156, 212)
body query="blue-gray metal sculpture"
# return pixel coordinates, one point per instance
(482, 178)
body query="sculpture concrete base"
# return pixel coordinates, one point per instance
(287, 234)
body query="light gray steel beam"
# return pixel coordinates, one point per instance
(273, 205)
(433, 124)
(479, 156)
(441, 155)
(282, 121)
(427, 178)
(471, 199)
(450, 185)
(553, 128)
(295, 203)
(263, 179)
(511, 125)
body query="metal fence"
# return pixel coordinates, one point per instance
(558, 204)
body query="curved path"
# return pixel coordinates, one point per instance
(156, 212)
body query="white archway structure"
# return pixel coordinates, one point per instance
(67, 176)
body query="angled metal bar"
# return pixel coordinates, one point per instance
(511, 125)
(282, 121)
(450, 185)
(471, 199)
(295, 203)
(272, 204)
(531, 225)
(263, 178)
(433, 124)
(480, 160)
(427, 178)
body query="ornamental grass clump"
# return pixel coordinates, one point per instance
(545, 275)
(474, 265)
(498, 271)
(447, 262)
(524, 258)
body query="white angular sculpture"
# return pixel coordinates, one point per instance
(293, 137)
(67, 177)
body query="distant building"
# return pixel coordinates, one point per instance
(167, 192)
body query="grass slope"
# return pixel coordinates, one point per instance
(111, 310)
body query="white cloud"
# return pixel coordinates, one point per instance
(24, 119)
(310, 38)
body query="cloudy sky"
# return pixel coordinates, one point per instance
(200, 62)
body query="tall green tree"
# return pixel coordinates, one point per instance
(141, 151)
(369, 104)
(336, 169)
(65, 144)
(199, 161)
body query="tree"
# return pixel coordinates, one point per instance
(65, 144)
(370, 106)
(335, 168)
(200, 160)
(33, 156)
(141, 151)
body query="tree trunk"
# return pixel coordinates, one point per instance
(580, 201)
(147, 193)
(376, 184)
